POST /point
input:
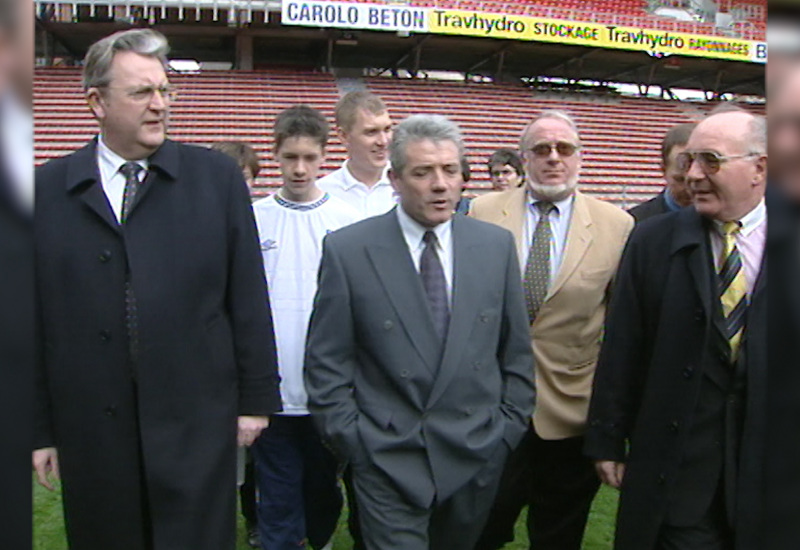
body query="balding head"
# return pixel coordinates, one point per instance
(728, 167)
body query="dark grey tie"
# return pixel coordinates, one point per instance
(131, 171)
(430, 269)
(537, 269)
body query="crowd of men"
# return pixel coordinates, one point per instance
(452, 361)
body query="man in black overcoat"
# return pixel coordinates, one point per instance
(156, 346)
(677, 414)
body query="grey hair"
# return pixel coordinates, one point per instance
(756, 135)
(557, 114)
(435, 128)
(97, 63)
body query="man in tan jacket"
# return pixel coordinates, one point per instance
(569, 246)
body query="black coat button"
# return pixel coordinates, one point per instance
(105, 335)
(404, 373)
(104, 256)
(387, 325)
(111, 410)
(688, 372)
(699, 314)
(673, 426)
(662, 479)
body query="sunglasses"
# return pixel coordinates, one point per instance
(563, 148)
(710, 162)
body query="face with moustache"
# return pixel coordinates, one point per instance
(551, 151)
(133, 108)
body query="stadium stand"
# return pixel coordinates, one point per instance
(621, 135)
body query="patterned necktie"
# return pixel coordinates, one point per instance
(732, 288)
(131, 172)
(537, 269)
(430, 269)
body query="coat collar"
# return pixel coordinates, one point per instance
(83, 177)
(82, 167)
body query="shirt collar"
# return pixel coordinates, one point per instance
(751, 220)
(112, 161)
(349, 180)
(413, 231)
(561, 206)
(672, 206)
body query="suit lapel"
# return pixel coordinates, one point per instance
(392, 262)
(691, 238)
(83, 178)
(579, 238)
(513, 218)
(466, 287)
(164, 166)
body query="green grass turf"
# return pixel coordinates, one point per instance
(48, 521)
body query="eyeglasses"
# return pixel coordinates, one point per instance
(144, 94)
(563, 148)
(710, 161)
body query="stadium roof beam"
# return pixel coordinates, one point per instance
(635, 71)
(500, 54)
(416, 51)
(565, 65)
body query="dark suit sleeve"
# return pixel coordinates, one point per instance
(330, 362)
(515, 355)
(248, 308)
(621, 365)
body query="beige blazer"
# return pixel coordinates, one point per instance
(567, 332)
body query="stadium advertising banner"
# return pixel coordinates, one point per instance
(399, 17)
(352, 15)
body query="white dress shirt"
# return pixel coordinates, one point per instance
(559, 226)
(17, 142)
(413, 233)
(368, 201)
(111, 178)
(750, 241)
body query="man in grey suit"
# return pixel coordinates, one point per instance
(418, 360)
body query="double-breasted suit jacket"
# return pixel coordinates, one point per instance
(381, 386)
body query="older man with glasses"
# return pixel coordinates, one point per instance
(569, 245)
(677, 413)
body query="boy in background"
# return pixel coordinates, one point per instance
(299, 496)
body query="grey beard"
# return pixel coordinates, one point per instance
(553, 193)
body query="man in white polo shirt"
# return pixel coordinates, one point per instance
(365, 128)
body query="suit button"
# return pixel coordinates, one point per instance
(476, 365)
(104, 256)
(484, 318)
(688, 372)
(111, 410)
(404, 373)
(387, 325)
(673, 426)
(105, 335)
(662, 478)
(699, 314)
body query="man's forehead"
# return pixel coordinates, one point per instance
(548, 127)
(365, 117)
(720, 131)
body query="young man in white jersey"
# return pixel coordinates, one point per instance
(364, 127)
(299, 497)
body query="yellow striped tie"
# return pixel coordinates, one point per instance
(732, 288)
